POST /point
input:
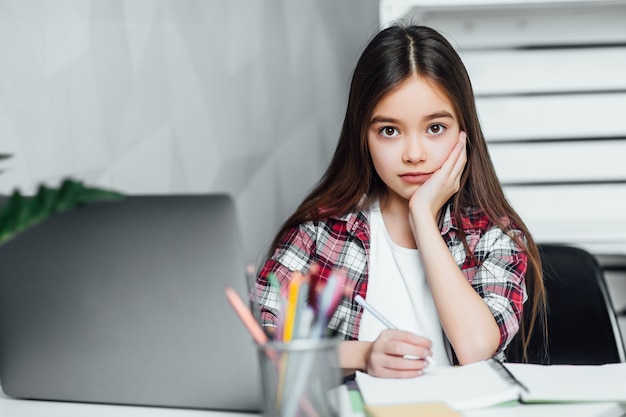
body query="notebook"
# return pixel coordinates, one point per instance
(488, 383)
(123, 303)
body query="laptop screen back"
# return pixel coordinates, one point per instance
(123, 302)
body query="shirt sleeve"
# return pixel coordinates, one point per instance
(500, 280)
(294, 252)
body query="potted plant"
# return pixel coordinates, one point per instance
(20, 212)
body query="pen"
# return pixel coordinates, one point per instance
(366, 306)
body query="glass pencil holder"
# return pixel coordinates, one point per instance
(300, 378)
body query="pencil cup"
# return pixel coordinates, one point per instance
(300, 378)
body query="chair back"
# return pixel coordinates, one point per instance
(581, 322)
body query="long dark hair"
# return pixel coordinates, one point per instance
(351, 183)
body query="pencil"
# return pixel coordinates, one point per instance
(366, 306)
(246, 316)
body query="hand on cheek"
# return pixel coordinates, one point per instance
(444, 183)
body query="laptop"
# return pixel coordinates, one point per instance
(123, 303)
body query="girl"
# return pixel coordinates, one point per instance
(410, 206)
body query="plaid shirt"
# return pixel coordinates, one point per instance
(496, 272)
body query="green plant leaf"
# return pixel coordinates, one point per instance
(4, 156)
(20, 212)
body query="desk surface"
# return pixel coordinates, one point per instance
(10, 407)
(24, 408)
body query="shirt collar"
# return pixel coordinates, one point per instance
(354, 221)
(449, 221)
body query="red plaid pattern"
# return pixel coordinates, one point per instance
(496, 272)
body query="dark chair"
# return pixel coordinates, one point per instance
(582, 325)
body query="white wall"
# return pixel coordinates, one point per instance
(171, 96)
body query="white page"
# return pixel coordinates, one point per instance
(462, 388)
(556, 383)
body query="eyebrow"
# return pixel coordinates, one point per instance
(437, 115)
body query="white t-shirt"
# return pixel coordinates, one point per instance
(397, 287)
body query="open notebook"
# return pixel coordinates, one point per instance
(487, 383)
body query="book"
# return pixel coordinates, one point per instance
(488, 383)
(351, 405)
(411, 410)
(571, 383)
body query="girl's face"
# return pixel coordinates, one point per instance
(411, 133)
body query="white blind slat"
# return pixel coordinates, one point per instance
(536, 25)
(560, 161)
(589, 214)
(546, 117)
(538, 71)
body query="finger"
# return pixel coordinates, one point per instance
(406, 337)
(408, 351)
(395, 373)
(462, 157)
(388, 364)
(463, 137)
(460, 144)
(405, 374)
(450, 164)
(401, 363)
(458, 151)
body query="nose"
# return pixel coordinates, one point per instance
(414, 150)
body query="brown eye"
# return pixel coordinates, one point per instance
(437, 129)
(389, 131)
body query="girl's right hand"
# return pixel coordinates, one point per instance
(393, 355)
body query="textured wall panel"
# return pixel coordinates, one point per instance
(169, 96)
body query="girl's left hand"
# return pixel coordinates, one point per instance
(444, 182)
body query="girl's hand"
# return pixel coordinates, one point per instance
(444, 182)
(386, 357)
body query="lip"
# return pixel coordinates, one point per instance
(415, 177)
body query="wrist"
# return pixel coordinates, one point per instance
(423, 218)
(353, 354)
(422, 210)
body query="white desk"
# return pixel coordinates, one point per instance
(22, 408)
(10, 407)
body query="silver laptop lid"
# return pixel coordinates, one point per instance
(123, 302)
